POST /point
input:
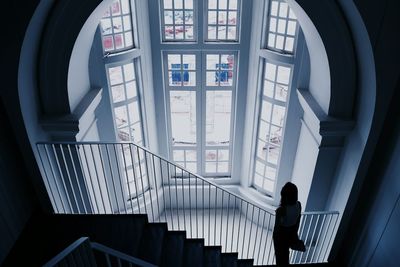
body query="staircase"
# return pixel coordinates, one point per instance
(47, 235)
(185, 215)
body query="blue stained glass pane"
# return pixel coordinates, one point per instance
(222, 75)
(177, 75)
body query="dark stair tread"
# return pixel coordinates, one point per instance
(173, 248)
(193, 253)
(245, 262)
(325, 264)
(151, 244)
(212, 256)
(229, 259)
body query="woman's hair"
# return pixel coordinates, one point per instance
(289, 194)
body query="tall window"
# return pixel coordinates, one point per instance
(279, 62)
(122, 70)
(126, 105)
(201, 141)
(271, 124)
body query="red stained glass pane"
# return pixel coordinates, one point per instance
(115, 8)
(118, 41)
(108, 43)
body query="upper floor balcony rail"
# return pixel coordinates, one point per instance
(115, 178)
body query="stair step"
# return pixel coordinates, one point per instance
(326, 264)
(245, 263)
(173, 248)
(151, 244)
(193, 253)
(212, 256)
(229, 259)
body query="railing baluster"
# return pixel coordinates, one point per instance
(163, 189)
(135, 182)
(215, 217)
(141, 179)
(197, 219)
(270, 243)
(257, 226)
(112, 178)
(245, 223)
(97, 177)
(156, 188)
(308, 231)
(170, 194)
(190, 208)
(183, 202)
(69, 179)
(105, 179)
(120, 178)
(330, 237)
(312, 238)
(262, 232)
(55, 206)
(227, 225)
(55, 179)
(203, 209)
(148, 182)
(76, 177)
(84, 176)
(318, 236)
(127, 178)
(240, 219)
(62, 178)
(209, 214)
(177, 202)
(251, 229)
(233, 222)
(222, 214)
(108, 260)
(325, 235)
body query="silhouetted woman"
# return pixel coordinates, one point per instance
(287, 223)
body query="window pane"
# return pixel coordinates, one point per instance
(129, 72)
(191, 155)
(118, 93)
(179, 155)
(121, 116)
(115, 75)
(223, 167)
(218, 117)
(183, 117)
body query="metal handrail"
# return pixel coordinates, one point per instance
(159, 157)
(80, 174)
(86, 248)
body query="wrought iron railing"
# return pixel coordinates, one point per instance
(114, 178)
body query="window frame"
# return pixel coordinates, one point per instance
(261, 97)
(200, 90)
